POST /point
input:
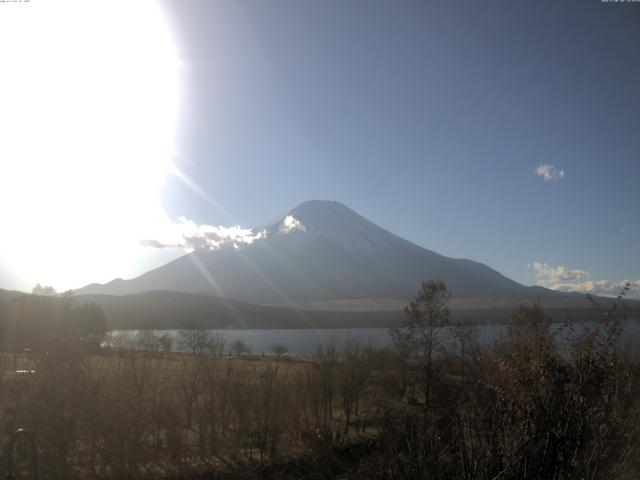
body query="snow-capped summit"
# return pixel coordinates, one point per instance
(335, 222)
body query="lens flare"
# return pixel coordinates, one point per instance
(89, 96)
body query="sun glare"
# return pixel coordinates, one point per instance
(88, 108)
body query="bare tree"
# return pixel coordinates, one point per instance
(147, 341)
(166, 343)
(240, 347)
(279, 350)
(44, 290)
(194, 340)
(420, 333)
(216, 345)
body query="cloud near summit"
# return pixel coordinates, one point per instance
(189, 236)
(576, 280)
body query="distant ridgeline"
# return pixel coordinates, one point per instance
(31, 322)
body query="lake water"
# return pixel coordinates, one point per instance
(307, 341)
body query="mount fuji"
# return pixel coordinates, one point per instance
(321, 251)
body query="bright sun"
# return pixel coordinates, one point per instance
(88, 107)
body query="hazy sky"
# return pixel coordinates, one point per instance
(505, 132)
(426, 117)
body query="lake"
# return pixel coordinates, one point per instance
(307, 341)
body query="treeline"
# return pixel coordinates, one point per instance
(33, 321)
(545, 401)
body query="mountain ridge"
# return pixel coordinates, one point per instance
(320, 250)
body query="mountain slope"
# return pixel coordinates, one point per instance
(318, 251)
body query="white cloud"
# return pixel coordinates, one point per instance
(549, 172)
(291, 223)
(190, 236)
(563, 278)
(550, 275)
